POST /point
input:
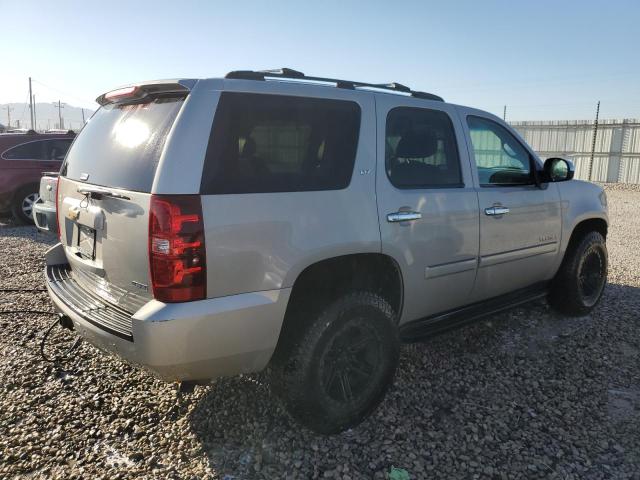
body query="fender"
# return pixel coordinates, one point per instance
(580, 201)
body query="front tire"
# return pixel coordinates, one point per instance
(338, 370)
(578, 285)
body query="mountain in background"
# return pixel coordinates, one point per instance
(46, 115)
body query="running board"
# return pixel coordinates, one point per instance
(423, 328)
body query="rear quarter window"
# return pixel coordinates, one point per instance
(48, 149)
(121, 145)
(275, 143)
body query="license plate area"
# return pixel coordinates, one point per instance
(86, 242)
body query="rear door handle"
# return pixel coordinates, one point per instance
(496, 210)
(403, 216)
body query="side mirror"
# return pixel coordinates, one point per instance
(558, 169)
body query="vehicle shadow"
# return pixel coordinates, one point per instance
(522, 374)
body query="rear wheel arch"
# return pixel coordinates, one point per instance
(31, 185)
(330, 278)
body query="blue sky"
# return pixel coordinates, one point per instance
(543, 59)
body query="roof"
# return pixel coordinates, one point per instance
(141, 89)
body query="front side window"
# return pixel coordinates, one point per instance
(421, 149)
(501, 159)
(53, 149)
(274, 143)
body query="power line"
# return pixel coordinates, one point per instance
(66, 94)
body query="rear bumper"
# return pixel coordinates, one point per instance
(45, 217)
(182, 341)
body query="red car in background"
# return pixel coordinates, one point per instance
(23, 159)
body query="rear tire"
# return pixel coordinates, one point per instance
(337, 370)
(23, 203)
(578, 285)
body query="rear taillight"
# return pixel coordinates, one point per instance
(57, 211)
(176, 248)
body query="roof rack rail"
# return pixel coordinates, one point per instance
(393, 86)
(288, 73)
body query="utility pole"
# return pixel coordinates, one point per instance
(504, 113)
(35, 120)
(31, 103)
(60, 107)
(593, 142)
(83, 122)
(8, 109)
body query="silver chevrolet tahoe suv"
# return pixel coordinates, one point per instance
(306, 225)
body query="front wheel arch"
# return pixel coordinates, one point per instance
(16, 203)
(585, 227)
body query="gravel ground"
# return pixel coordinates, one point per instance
(524, 394)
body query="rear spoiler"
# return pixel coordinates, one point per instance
(142, 90)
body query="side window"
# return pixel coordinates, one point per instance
(56, 149)
(275, 143)
(421, 149)
(26, 151)
(500, 158)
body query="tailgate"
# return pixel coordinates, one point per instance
(104, 193)
(106, 242)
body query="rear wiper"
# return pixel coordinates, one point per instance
(98, 192)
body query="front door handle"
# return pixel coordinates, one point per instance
(496, 210)
(403, 216)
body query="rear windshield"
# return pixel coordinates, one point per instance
(121, 145)
(275, 143)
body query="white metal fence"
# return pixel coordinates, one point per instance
(617, 147)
